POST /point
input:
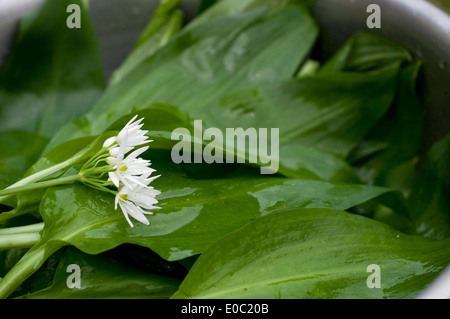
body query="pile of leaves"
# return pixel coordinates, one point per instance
(351, 191)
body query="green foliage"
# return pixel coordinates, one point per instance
(350, 133)
(41, 90)
(314, 253)
(105, 277)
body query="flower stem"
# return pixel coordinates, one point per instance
(23, 240)
(44, 173)
(38, 185)
(33, 228)
(101, 153)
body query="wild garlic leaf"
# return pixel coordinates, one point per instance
(206, 62)
(56, 163)
(401, 131)
(194, 213)
(40, 95)
(161, 120)
(19, 151)
(366, 53)
(41, 90)
(104, 277)
(198, 210)
(430, 196)
(329, 113)
(317, 254)
(166, 21)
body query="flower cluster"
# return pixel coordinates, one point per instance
(131, 174)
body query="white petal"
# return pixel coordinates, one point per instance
(112, 161)
(148, 206)
(124, 180)
(135, 212)
(142, 200)
(113, 177)
(150, 191)
(129, 129)
(110, 141)
(122, 149)
(153, 207)
(116, 201)
(151, 179)
(125, 212)
(137, 152)
(129, 122)
(125, 190)
(132, 180)
(114, 151)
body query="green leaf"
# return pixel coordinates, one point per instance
(198, 211)
(164, 24)
(190, 209)
(204, 5)
(205, 62)
(366, 53)
(194, 213)
(40, 90)
(9, 258)
(161, 120)
(315, 253)
(104, 277)
(236, 7)
(55, 163)
(401, 131)
(19, 151)
(42, 278)
(430, 197)
(159, 20)
(322, 117)
(324, 112)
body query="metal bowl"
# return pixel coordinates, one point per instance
(418, 25)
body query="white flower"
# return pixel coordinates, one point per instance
(131, 174)
(137, 200)
(128, 170)
(130, 209)
(144, 197)
(130, 136)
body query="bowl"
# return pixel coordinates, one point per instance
(418, 25)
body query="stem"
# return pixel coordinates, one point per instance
(93, 158)
(22, 229)
(99, 186)
(26, 266)
(97, 170)
(24, 240)
(38, 185)
(40, 175)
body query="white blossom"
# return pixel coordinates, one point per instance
(129, 168)
(137, 200)
(130, 209)
(130, 136)
(131, 174)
